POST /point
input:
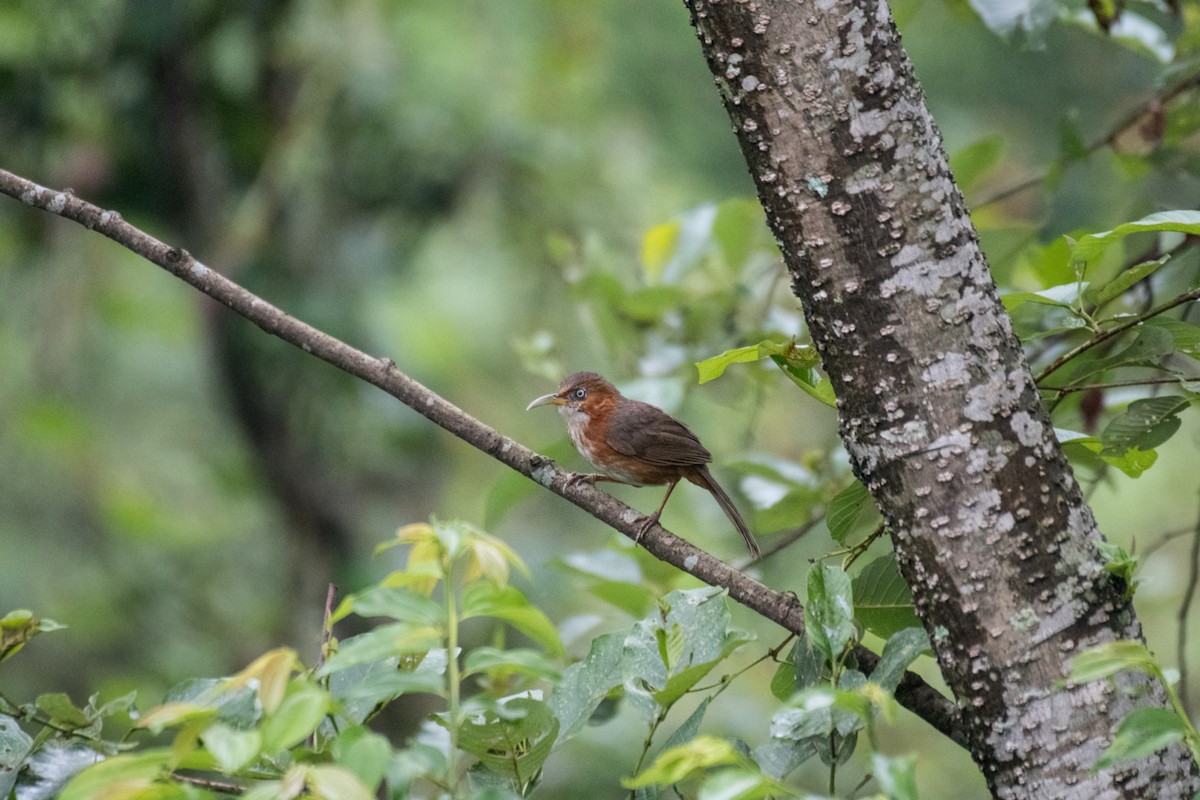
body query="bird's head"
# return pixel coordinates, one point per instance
(580, 394)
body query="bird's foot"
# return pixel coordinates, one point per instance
(647, 523)
(580, 478)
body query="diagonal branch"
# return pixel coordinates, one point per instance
(779, 607)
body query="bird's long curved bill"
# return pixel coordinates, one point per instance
(546, 400)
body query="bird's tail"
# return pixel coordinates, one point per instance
(703, 478)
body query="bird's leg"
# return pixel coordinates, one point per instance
(653, 518)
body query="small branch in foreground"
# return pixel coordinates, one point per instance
(1083, 387)
(782, 608)
(1105, 335)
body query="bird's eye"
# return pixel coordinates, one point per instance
(579, 393)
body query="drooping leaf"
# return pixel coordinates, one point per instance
(830, 610)
(845, 510)
(901, 649)
(586, 683)
(1145, 424)
(882, 600)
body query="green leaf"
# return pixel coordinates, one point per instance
(231, 748)
(821, 711)
(701, 618)
(1144, 731)
(364, 753)
(845, 510)
(62, 711)
(681, 682)
(736, 228)
(1091, 247)
(882, 600)
(897, 775)
(131, 772)
(1148, 348)
(783, 682)
(690, 727)
(1110, 658)
(1132, 462)
(902, 649)
(1122, 564)
(975, 160)
(712, 368)
(586, 683)
(778, 757)
(516, 743)
(1065, 295)
(1184, 335)
(486, 599)
(521, 661)
(649, 303)
(673, 765)
(1145, 424)
(395, 602)
(14, 749)
(658, 247)
(18, 627)
(801, 364)
(325, 782)
(386, 641)
(302, 709)
(830, 610)
(1098, 296)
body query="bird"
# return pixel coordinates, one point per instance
(635, 443)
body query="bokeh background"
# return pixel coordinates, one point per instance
(468, 188)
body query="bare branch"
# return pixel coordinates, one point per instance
(779, 607)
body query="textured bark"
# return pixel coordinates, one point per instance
(938, 409)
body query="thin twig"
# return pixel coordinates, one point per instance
(780, 607)
(1104, 336)
(1185, 605)
(1114, 384)
(1122, 125)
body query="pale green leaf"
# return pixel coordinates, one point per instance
(1089, 248)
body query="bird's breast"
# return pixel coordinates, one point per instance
(595, 450)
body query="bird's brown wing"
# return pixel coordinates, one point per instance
(650, 434)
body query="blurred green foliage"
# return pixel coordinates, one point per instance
(495, 194)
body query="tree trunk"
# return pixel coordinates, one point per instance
(938, 409)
